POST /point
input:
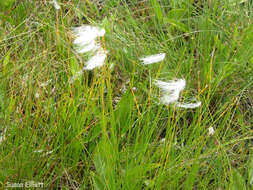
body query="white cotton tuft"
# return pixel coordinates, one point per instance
(86, 42)
(2, 136)
(92, 46)
(162, 141)
(97, 60)
(56, 5)
(170, 90)
(87, 29)
(45, 154)
(37, 95)
(188, 105)
(170, 97)
(177, 85)
(211, 131)
(48, 152)
(38, 151)
(153, 58)
(86, 34)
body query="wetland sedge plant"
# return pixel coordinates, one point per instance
(133, 128)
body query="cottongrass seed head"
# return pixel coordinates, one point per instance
(153, 58)
(91, 46)
(86, 42)
(86, 34)
(2, 135)
(173, 85)
(56, 4)
(169, 97)
(188, 105)
(97, 60)
(211, 131)
(170, 90)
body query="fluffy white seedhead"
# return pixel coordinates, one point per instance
(188, 105)
(170, 90)
(169, 98)
(168, 87)
(38, 151)
(2, 136)
(92, 46)
(86, 34)
(56, 5)
(97, 60)
(45, 154)
(211, 131)
(153, 58)
(86, 38)
(37, 95)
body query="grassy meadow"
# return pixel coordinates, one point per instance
(107, 129)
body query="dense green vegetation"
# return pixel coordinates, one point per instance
(106, 130)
